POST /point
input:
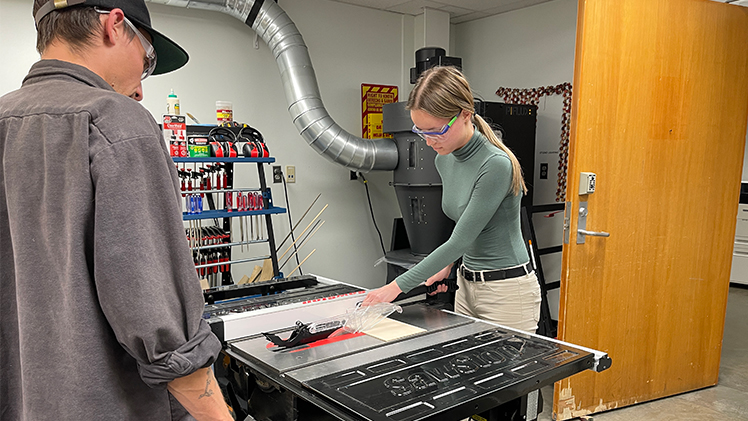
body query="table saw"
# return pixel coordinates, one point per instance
(451, 367)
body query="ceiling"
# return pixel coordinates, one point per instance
(459, 10)
(462, 10)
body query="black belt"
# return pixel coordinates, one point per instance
(495, 275)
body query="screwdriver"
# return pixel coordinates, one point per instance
(251, 200)
(201, 176)
(260, 206)
(240, 208)
(217, 169)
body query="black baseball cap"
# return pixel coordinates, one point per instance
(169, 55)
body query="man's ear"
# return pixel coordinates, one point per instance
(114, 26)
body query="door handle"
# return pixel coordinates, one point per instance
(582, 231)
(594, 233)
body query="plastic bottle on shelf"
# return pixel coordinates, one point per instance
(224, 112)
(172, 104)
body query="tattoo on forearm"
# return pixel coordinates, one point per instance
(208, 391)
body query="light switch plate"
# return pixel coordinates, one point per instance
(290, 174)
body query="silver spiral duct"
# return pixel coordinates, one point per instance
(305, 105)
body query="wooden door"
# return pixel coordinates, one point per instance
(659, 113)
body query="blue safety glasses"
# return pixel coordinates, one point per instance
(425, 134)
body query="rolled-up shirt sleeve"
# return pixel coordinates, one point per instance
(142, 266)
(198, 352)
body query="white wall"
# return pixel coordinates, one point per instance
(17, 45)
(432, 29)
(349, 45)
(527, 48)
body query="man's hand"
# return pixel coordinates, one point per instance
(441, 275)
(383, 295)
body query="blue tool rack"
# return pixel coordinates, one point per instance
(268, 208)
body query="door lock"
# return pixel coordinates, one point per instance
(582, 231)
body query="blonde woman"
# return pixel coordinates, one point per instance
(482, 188)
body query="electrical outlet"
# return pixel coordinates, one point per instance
(544, 171)
(277, 174)
(290, 174)
(354, 176)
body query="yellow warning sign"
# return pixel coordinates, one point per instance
(373, 97)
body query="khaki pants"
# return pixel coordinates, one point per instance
(513, 302)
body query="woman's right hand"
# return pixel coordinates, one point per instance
(384, 294)
(439, 276)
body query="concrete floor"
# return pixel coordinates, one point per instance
(728, 401)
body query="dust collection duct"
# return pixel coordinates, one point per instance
(417, 184)
(309, 115)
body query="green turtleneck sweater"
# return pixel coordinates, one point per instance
(477, 180)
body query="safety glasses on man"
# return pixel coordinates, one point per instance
(441, 132)
(149, 63)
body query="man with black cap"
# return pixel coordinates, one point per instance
(100, 305)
